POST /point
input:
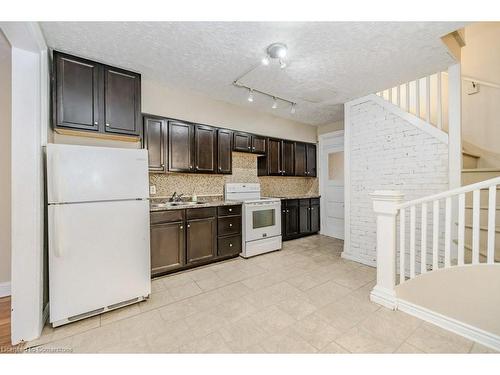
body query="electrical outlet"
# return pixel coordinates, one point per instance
(152, 189)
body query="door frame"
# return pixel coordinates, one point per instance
(30, 123)
(323, 171)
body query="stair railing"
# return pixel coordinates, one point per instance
(425, 97)
(401, 255)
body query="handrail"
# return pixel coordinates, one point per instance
(445, 194)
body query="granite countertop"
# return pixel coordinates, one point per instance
(300, 196)
(184, 205)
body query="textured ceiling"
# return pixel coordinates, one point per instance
(329, 63)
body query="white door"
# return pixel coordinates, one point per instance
(98, 255)
(331, 156)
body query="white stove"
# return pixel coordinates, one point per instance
(261, 218)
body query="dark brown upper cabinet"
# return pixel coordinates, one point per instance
(180, 147)
(287, 158)
(258, 144)
(122, 101)
(205, 149)
(280, 159)
(155, 137)
(274, 157)
(75, 93)
(224, 151)
(311, 160)
(242, 142)
(90, 96)
(245, 142)
(300, 159)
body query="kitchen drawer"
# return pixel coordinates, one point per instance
(229, 245)
(291, 203)
(229, 210)
(304, 202)
(167, 216)
(314, 201)
(229, 225)
(200, 213)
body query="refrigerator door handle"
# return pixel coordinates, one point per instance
(57, 235)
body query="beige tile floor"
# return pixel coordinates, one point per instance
(303, 299)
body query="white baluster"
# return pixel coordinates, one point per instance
(428, 98)
(390, 95)
(412, 242)
(417, 98)
(476, 201)
(407, 87)
(402, 242)
(492, 197)
(461, 228)
(439, 105)
(435, 234)
(398, 95)
(447, 233)
(423, 240)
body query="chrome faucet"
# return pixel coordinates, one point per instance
(176, 197)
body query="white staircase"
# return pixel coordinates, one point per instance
(424, 98)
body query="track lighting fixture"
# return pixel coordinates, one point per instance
(250, 95)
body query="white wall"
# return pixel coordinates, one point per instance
(328, 128)
(5, 166)
(481, 60)
(163, 101)
(385, 152)
(468, 294)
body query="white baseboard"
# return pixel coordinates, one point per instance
(358, 259)
(5, 289)
(473, 333)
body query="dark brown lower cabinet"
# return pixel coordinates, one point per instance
(167, 247)
(201, 240)
(191, 237)
(300, 217)
(304, 218)
(315, 218)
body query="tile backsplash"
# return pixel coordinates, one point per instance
(244, 170)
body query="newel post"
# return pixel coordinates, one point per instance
(385, 203)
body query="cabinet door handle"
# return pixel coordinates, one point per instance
(220, 168)
(96, 123)
(309, 208)
(230, 225)
(287, 211)
(189, 225)
(230, 210)
(230, 245)
(107, 124)
(181, 227)
(249, 147)
(253, 148)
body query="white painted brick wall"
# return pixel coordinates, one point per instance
(388, 153)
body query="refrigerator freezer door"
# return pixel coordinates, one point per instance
(98, 256)
(88, 174)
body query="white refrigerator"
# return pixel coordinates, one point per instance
(98, 227)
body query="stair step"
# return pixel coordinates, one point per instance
(470, 154)
(482, 252)
(483, 228)
(482, 207)
(480, 170)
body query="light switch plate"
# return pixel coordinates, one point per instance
(152, 189)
